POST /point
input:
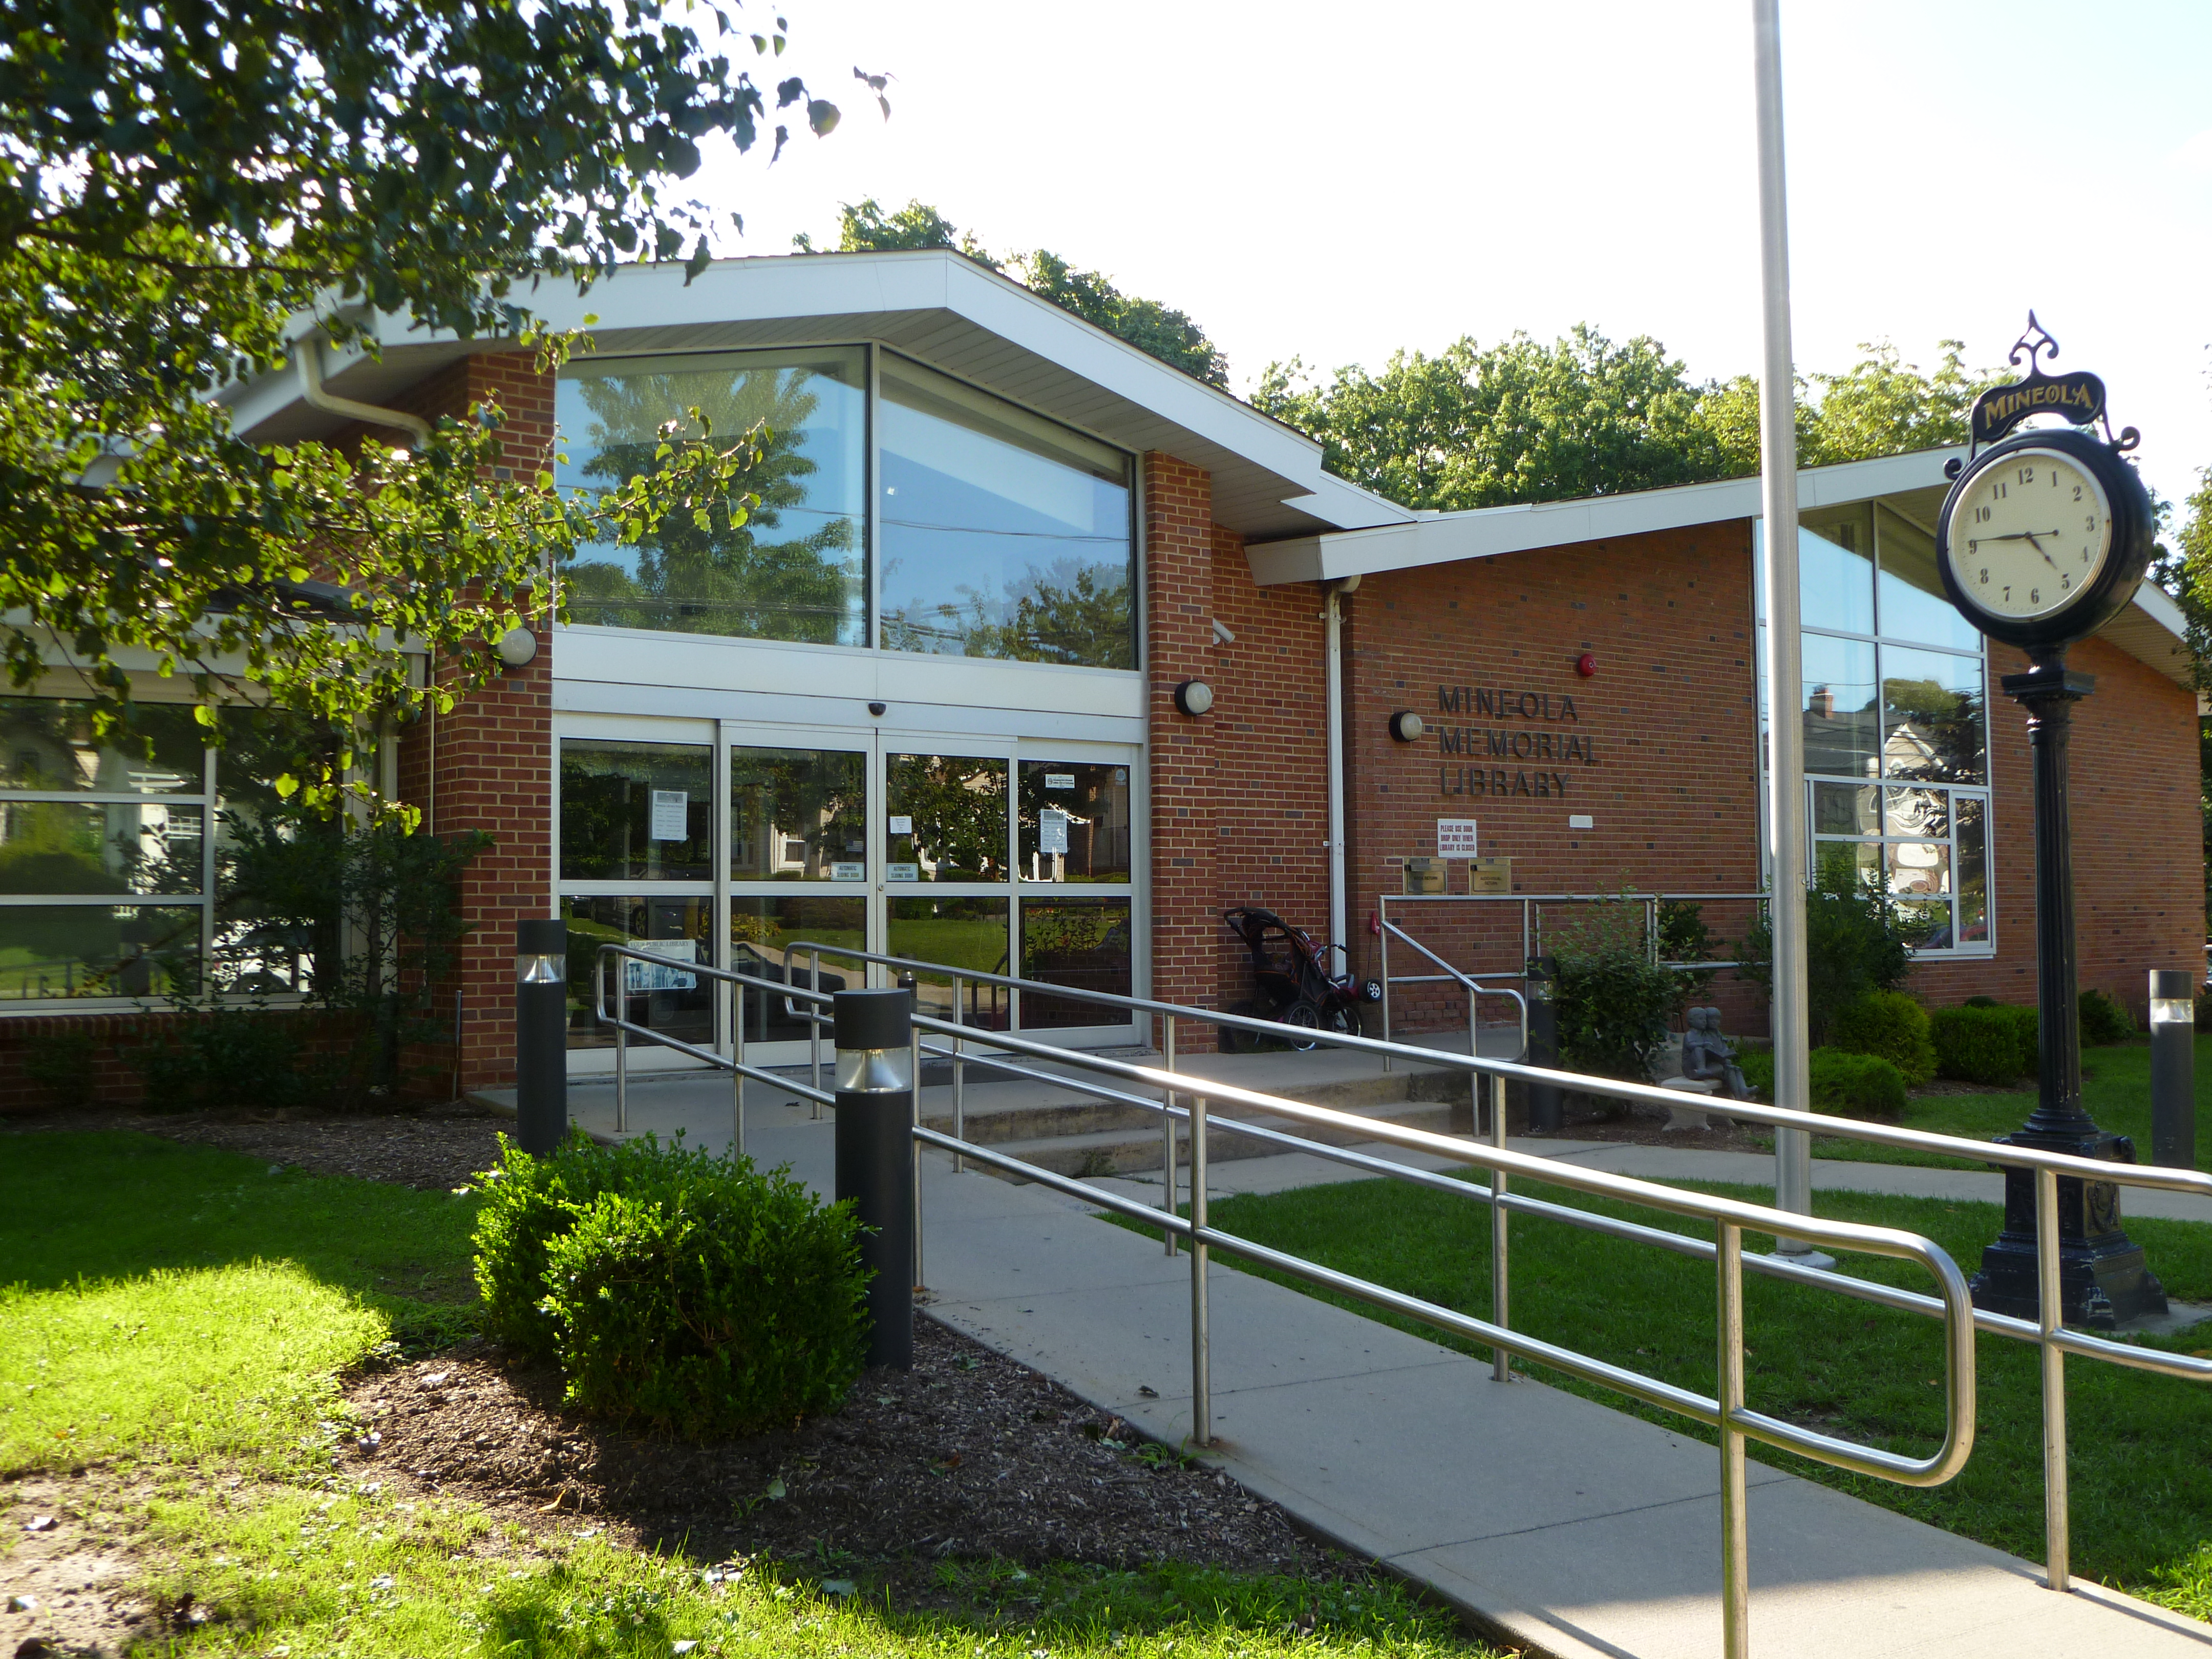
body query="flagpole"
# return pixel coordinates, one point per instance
(1785, 753)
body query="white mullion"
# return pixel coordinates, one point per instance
(728, 1009)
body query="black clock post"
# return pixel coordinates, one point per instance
(1998, 556)
(2102, 1276)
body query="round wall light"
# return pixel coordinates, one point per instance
(518, 647)
(1406, 726)
(1194, 697)
(1586, 665)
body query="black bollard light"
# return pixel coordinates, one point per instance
(1546, 1107)
(874, 1036)
(2172, 1068)
(541, 1035)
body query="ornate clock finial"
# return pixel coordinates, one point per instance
(2038, 342)
(2079, 398)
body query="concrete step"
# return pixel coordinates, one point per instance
(1133, 1150)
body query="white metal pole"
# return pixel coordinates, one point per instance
(1332, 726)
(1785, 753)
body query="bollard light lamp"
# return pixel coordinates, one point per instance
(874, 1043)
(2172, 998)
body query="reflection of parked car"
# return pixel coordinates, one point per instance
(1294, 978)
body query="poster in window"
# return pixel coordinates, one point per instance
(1052, 831)
(671, 811)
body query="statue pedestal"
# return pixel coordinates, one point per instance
(1687, 1116)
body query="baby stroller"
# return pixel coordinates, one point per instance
(1295, 984)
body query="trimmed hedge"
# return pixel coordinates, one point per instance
(1844, 1085)
(679, 1291)
(1891, 1024)
(1993, 1045)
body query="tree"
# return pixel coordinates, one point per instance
(1522, 422)
(1159, 330)
(185, 187)
(1517, 421)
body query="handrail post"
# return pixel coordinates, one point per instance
(1201, 1384)
(1383, 915)
(1735, 1529)
(959, 1081)
(1167, 1132)
(1501, 1283)
(2057, 1570)
(736, 1071)
(622, 1049)
(813, 1022)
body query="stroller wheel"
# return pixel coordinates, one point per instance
(1305, 1014)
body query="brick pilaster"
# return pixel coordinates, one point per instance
(1179, 635)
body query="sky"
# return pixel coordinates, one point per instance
(1335, 182)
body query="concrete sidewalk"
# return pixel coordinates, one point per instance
(1563, 1525)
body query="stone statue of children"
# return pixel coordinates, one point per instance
(1708, 1057)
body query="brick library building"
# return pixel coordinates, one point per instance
(1039, 655)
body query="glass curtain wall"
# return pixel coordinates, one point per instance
(999, 533)
(1894, 708)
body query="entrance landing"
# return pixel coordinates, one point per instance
(1558, 1523)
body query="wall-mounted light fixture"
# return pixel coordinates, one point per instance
(1406, 726)
(518, 647)
(1194, 697)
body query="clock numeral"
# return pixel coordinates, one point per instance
(2090, 523)
(2054, 478)
(2085, 556)
(2008, 594)
(1981, 515)
(1997, 490)
(2035, 596)
(2077, 492)
(2065, 583)
(2027, 475)
(1985, 575)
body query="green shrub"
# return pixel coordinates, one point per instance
(1855, 1085)
(1856, 940)
(1990, 1044)
(1892, 1026)
(1612, 1002)
(223, 1057)
(678, 1290)
(62, 1064)
(2104, 1021)
(1843, 1084)
(1983, 1002)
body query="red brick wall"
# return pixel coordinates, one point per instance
(493, 756)
(1271, 804)
(1178, 503)
(1671, 782)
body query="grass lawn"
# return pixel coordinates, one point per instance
(185, 1314)
(2115, 1090)
(2141, 1477)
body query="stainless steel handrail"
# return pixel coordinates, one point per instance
(735, 1060)
(1387, 927)
(2053, 1341)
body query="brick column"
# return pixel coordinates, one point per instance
(488, 765)
(1179, 640)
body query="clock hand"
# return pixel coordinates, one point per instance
(2038, 546)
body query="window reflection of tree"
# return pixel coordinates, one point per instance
(817, 799)
(959, 806)
(738, 578)
(1074, 613)
(1933, 733)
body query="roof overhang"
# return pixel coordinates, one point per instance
(2152, 630)
(932, 305)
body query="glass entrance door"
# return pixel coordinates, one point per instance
(993, 855)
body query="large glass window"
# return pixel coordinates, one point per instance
(947, 818)
(1075, 821)
(147, 865)
(661, 992)
(1083, 944)
(1895, 716)
(797, 815)
(796, 569)
(1003, 534)
(636, 811)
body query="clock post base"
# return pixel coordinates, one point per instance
(2103, 1280)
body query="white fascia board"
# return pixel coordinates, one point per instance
(2157, 605)
(829, 286)
(1485, 532)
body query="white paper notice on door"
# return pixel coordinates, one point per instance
(672, 809)
(902, 823)
(1456, 838)
(1052, 831)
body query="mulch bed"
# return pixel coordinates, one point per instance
(968, 1455)
(437, 1148)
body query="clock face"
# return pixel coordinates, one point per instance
(2029, 534)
